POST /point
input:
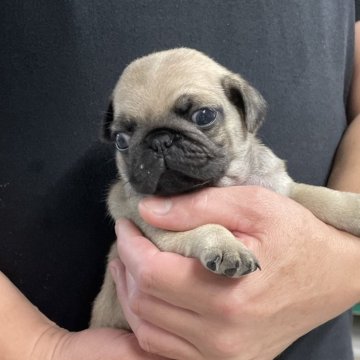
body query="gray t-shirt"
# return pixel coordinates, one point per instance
(59, 63)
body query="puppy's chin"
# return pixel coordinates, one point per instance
(171, 182)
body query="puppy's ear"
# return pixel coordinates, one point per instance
(107, 121)
(248, 101)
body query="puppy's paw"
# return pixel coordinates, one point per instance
(215, 246)
(222, 254)
(231, 261)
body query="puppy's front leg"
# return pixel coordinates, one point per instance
(216, 247)
(336, 208)
(106, 311)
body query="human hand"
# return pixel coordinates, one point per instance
(26, 333)
(91, 344)
(182, 311)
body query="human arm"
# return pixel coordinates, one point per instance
(346, 170)
(26, 334)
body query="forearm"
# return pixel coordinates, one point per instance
(22, 324)
(345, 175)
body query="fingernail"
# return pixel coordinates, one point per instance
(159, 206)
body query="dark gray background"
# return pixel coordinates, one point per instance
(59, 62)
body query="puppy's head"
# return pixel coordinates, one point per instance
(180, 122)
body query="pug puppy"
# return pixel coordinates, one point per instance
(181, 122)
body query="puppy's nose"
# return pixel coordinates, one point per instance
(160, 140)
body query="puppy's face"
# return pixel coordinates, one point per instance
(180, 122)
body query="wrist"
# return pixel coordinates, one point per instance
(23, 327)
(47, 341)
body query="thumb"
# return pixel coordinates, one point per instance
(238, 208)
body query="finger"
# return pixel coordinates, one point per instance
(242, 208)
(151, 338)
(156, 273)
(181, 322)
(146, 263)
(145, 249)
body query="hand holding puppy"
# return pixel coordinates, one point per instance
(179, 310)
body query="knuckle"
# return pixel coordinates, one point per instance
(227, 309)
(143, 335)
(150, 342)
(146, 278)
(260, 206)
(225, 346)
(257, 312)
(136, 301)
(266, 199)
(258, 195)
(200, 200)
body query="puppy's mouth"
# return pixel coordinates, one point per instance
(173, 182)
(169, 163)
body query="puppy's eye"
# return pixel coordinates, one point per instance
(204, 117)
(122, 141)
